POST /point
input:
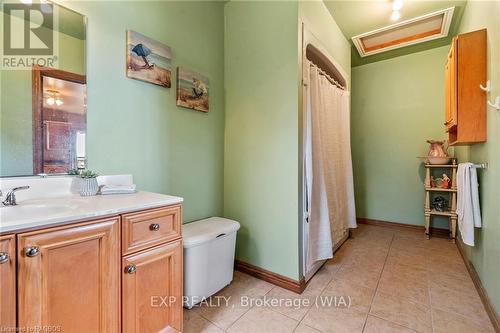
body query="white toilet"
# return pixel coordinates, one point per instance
(209, 246)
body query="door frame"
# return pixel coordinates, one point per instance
(37, 74)
(309, 39)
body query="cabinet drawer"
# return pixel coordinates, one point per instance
(149, 228)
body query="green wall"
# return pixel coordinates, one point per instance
(485, 255)
(16, 149)
(263, 49)
(320, 22)
(133, 126)
(261, 147)
(396, 105)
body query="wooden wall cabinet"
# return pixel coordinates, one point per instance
(78, 278)
(465, 102)
(451, 87)
(8, 283)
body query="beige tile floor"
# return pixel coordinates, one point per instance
(396, 281)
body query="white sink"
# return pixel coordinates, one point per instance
(30, 211)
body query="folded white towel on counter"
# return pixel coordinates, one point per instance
(468, 210)
(118, 189)
(115, 180)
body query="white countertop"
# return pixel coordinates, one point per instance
(48, 212)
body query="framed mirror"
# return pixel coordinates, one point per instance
(43, 95)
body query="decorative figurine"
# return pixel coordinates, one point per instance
(446, 181)
(433, 182)
(440, 204)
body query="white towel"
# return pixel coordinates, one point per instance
(468, 210)
(117, 189)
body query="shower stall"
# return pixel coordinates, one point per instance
(327, 208)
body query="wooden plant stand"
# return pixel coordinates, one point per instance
(452, 212)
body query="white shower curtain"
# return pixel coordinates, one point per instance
(327, 165)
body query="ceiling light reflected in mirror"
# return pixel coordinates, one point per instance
(53, 97)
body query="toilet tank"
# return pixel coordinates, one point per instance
(209, 247)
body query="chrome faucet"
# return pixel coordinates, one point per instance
(10, 197)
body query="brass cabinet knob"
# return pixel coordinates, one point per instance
(4, 257)
(31, 251)
(154, 227)
(130, 269)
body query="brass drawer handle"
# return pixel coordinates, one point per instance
(31, 251)
(130, 269)
(4, 257)
(154, 227)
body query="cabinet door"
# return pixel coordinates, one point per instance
(447, 92)
(471, 62)
(69, 278)
(7, 283)
(451, 87)
(152, 290)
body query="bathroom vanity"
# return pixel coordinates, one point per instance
(99, 264)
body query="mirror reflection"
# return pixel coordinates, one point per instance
(43, 105)
(60, 109)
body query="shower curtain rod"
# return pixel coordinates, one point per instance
(328, 77)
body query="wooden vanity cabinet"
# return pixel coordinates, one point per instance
(152, 290)
(7, 283)
(69, 278)
(121, 273)
(465, 102)
(152, 270)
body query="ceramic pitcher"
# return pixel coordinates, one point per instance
(437, 148)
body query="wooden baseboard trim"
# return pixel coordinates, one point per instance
(495, 320)
(440, 232)
(271, 277)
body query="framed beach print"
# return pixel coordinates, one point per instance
(192, 90)
(148, 60)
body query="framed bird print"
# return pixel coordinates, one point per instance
(148, 60)
(192, 90)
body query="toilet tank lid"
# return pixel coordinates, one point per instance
(202, 231)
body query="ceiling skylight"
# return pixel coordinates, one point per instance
(417, 30)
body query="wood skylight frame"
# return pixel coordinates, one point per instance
(432, 26)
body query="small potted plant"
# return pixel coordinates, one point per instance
(88, 184)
